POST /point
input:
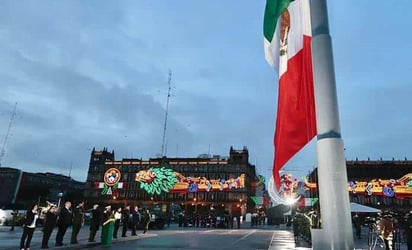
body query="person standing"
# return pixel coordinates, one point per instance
(295, 226)
(169, 218)
(238, 221)
(94, 222)
(125, 220)
(15, 217)
(78, 221)
(181, 218)
(63, 222)
(107, 213)
(48, 226)
(117, 220)
(408, 230)
(236, 215)
(146, 220)
(29, 227)
(357, 223)
(135, 219)
(387, 229)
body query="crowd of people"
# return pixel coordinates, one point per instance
(66, 216)
(259, 218)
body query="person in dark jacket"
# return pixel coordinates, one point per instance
(15, 217)
(94, 222)
(48, 226)
(125, 220)
(135, 219)
(387, 229)
(78, 220)
(63, 222)
(357, 223)
(28, 227)
(146, 220)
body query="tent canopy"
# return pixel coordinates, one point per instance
(358, 208)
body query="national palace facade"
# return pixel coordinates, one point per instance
(196, 184)
(379, 183)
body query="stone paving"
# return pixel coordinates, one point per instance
(282, 239)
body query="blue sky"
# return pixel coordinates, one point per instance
(94, 74)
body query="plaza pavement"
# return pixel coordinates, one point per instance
(282, 239)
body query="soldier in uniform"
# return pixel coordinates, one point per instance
(48, 226)
(125, 220)
(78, 221)
(94, 223)
(63, 222)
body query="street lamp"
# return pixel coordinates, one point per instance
(60, 195)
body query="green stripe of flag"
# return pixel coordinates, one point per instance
(313, 201)
(273, 10)
(255, 199)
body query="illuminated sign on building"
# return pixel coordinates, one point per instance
(111, 182)
(112, 177)
(400, 188)
(288, 190)
(260, 181)
(158, 180)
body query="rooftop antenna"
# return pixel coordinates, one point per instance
(70, 171)
(169, 83)
(3, 148)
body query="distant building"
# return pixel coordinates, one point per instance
(9, 185)
(196, 184)
(379, 183)
(21, 189)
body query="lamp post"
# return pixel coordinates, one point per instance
(60, 195)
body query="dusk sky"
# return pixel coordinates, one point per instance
(94, 74)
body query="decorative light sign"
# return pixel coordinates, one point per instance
(400, 188)
(286, 197)
(288, 185)
(111, 182)
(112, 176)
(260, 200)
(260, 181)
(158, 180)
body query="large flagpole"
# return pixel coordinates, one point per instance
(336, 232)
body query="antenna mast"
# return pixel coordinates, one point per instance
(169, 82)
(70, 171)
(3, 149)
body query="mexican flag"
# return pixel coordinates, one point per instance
(307, 202)
(287, 43)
